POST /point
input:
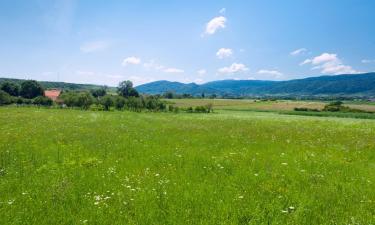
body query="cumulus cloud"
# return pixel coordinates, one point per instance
(224, 52)
(234, 68)
(201, 72)
(131, 60)
(274, 73)
(298, 52)
(329, 64)
(173, 70)
(93, 46)
(215, 24)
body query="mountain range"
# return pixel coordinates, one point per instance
(341, 85)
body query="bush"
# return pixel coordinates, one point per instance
(41, 100)
(96, 107)
(77, 99)
(5, 98)
(306, 109)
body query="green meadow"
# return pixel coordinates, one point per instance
(62, 166)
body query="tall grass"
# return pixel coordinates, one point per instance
(82, 167)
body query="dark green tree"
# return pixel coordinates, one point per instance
(107, 101)
(126, 89)
(31, 89)
(99, 92)
(10, 88)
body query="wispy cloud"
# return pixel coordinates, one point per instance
(299, 51)
(173, 70)
(274, 73)
(234, 68)
(131, 61)
(222, 11)
(368, 61)
(94, 46)
(201, 72)
(215, 24)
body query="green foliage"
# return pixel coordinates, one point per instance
(31, 89)
(77, 99)
(10, 87)
(98, 92)
(107, 102)
(126, 89)
(43, 101)
(5, 98)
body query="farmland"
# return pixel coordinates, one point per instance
(229, 167)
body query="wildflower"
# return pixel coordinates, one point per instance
(256, 174)
(10, 202)
(284, 164)
(156, 175)
(240, 197)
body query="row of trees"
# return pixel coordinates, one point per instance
(127, 98)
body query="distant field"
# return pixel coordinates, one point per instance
(242, 104)
(230, 167)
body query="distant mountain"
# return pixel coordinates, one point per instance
(60, 85)
(346, 84)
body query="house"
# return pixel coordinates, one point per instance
(52, 94)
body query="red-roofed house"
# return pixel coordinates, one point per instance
(52, 94)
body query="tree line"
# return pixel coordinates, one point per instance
(126, 98)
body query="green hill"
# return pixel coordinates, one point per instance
(341, 85)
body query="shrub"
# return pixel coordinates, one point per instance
(107, 102)
(5, 98)
(41, 100)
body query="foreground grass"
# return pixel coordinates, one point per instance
(81, 167)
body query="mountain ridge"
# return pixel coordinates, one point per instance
(344, 84)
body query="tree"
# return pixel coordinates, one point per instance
(126, 89)
(31, 89)
(107, 102)
(84, 100)
(99, 92)
(5, 98)
(10, 88)
(168, 95)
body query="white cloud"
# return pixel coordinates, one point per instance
(131, 60)
(224, 52)
(153, 65)
(173, 70)
(222, 11)
(368, 61)
(274, 73)
(234, 68)
(215, 24)
(298, 52)
(94, 46)
(329, 64)
(202, 72)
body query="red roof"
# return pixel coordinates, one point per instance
(52, 94)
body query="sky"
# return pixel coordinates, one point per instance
(105, 42)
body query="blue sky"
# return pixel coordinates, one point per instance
(105, 42)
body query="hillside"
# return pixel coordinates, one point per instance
(346, 84)
(60, 85)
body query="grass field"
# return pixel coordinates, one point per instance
(229, 167)
(279, 105)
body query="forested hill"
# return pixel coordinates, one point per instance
(60, 85)
(346, 84)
